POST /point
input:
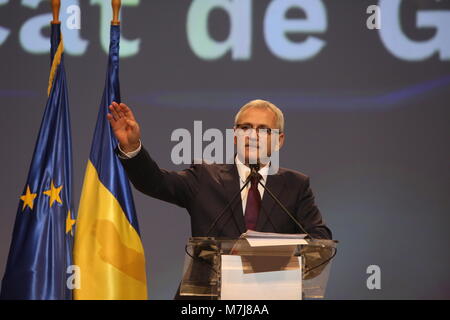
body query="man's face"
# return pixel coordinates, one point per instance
(255, 146)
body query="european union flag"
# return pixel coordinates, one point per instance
(108, 248)
(41, 246)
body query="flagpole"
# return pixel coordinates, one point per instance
(56, 5)
(116, 9)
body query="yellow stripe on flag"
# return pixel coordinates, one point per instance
(107, 248)
(55, 63)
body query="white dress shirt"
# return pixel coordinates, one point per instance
(244, 172)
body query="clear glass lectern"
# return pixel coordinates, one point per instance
(204, 269)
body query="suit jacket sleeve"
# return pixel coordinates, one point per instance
(177, 187)
(310, 216)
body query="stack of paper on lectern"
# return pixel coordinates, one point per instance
(259, 239)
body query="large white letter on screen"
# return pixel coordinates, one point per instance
(239, 39)
(403, 47)
(276, 26)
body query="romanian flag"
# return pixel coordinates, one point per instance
(40, 257)
(108, 248)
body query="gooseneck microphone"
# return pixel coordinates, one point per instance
(254, 169)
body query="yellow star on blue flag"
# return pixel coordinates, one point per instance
(28, 199)
(53, 193)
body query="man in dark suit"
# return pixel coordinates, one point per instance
(206, 189)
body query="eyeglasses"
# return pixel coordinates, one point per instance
(248, 129)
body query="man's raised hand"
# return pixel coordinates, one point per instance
(124, 126)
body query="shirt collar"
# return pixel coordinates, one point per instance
(244, 171)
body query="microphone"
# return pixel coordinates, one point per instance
(254, 168)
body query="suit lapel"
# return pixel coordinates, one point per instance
(275, 183)
(230, 181)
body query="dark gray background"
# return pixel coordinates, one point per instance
(377, 156)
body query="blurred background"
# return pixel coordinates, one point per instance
(367, 116)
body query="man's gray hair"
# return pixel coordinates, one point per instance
(266, 105)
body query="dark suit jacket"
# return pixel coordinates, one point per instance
(205, 190)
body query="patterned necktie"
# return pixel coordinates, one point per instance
(253, 203)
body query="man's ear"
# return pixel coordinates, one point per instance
(280, 140)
